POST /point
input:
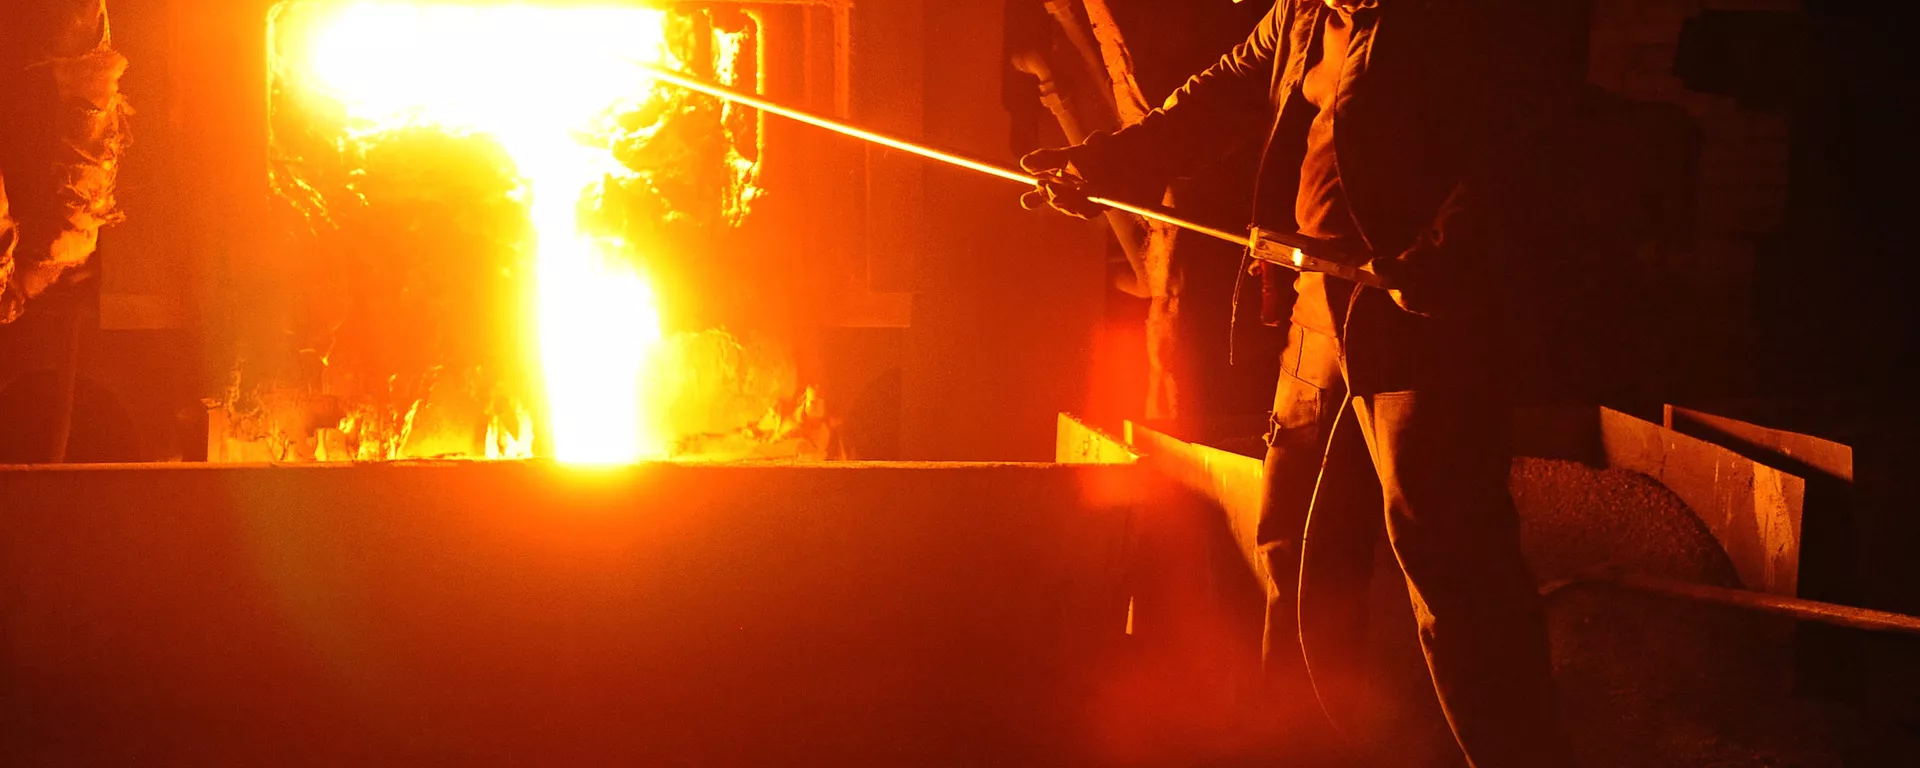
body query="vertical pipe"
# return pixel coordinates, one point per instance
(69, 380)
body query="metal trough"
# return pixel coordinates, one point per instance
(526, 613)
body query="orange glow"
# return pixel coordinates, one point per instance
(543, 82)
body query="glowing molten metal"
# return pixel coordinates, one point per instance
(543, 82)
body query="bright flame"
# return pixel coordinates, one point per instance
(540, 81)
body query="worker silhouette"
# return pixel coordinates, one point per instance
(1412, 132)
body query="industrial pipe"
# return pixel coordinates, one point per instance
(1777, 605)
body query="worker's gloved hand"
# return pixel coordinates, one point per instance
(1059, 187)
(1417, 287)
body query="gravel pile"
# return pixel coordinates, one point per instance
(1575, 517)
(1648, 682)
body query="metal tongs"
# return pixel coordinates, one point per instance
(1287, 249)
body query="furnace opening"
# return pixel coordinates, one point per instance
(502, 234)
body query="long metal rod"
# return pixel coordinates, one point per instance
(1791, 607)
(962, 161)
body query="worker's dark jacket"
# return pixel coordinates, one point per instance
(1445, 126)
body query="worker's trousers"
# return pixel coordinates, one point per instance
(1429, 468)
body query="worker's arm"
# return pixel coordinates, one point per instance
(1526, 59)
(64, 119)
(9, 234)
(1216, 112)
